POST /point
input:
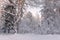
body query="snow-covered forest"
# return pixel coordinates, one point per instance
(30, 16)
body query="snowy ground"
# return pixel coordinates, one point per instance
(29, 37)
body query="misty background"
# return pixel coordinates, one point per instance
(39, 17)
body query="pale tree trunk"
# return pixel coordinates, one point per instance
(19, 14)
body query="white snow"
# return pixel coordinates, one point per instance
(29, 37)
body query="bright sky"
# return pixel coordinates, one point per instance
(35, 11)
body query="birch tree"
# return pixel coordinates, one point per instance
(12, 15)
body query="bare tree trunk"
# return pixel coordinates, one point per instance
(19, 15)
